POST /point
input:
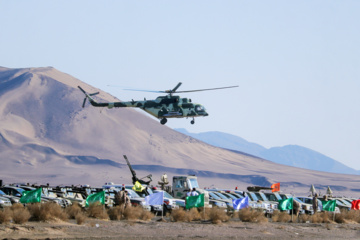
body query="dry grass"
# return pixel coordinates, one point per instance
(146, 215)
(304, 218)
(193, 214)
(16, 206)
(281, 217)
(73, 211)
(178, 215)
(115, 213)
(352, 216)
(133, 213)
(80, 218)
(323, 217)
(5, 215)
(97, 211)
(217, 215)
(252, 215)
(181, 215)
(20, 215)
(47, 211)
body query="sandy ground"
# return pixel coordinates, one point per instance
(154, 229)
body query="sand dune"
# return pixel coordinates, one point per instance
(46, 136)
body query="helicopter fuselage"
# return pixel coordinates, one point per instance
(162, 107)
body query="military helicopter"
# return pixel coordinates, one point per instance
(163, 107)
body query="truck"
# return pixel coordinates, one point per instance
(182, 184)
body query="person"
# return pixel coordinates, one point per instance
(194, 192)
(315, 203)
(296, 208)
(188, 194)
(120, 197)
(127, 202)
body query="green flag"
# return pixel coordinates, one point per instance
(96, 197)
(195, 201)
(286, 204)
(33, 196)
(329, 205)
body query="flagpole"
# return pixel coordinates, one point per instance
(292, 210)
(162, 212)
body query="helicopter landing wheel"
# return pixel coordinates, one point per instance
(192, 121)
(163, 121)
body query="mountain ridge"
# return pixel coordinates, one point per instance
(290, 155)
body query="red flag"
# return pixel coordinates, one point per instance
(275, 187)
(355, 205)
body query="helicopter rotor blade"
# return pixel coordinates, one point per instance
(83, 105)
(208, 89)
(175, 88)
(140, 90)
(92, 94)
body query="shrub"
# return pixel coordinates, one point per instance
(80, 218)
(217, 215)
(178, 215)
(252, 215)
(322, 217)
(97, 211)
(20, 215)
(34, 209)
(133, 213)
(5, 215)
(281, 217)
(73, 210)
(115, 213)
(192, 214)
(146, 215)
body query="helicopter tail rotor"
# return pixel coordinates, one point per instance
(87, 96)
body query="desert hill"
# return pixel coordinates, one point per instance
(46, 136)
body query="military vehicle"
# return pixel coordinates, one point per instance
(182, 184)
(163, 107)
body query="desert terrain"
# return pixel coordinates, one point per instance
(154, 229)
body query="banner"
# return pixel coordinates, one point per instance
(241, 203)
(138, 187)
(96, 197)
(275, 187)
(286, 204)
(33, 196)
(329, 205)
(195, 201)
(355, 205)
(155, 199)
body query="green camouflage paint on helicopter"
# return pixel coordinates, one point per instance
(162, 107)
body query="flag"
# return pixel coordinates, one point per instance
(355, 205)
(240, 203)
(33, 196)
(138, 187)
(195, 201)
(96, 197)
(155, 199)
(275, 187)
(286, 204)
(329, 205)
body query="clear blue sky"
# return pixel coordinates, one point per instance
(297, 62)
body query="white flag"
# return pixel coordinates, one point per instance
(155, 199)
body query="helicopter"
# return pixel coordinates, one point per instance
(163, 107)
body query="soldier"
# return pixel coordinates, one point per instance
(127, 202)
(296, 209)
(315, 203)
(120, 197)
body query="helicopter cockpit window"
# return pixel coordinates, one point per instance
(199, 108)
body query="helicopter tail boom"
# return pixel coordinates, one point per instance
(91, 100)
